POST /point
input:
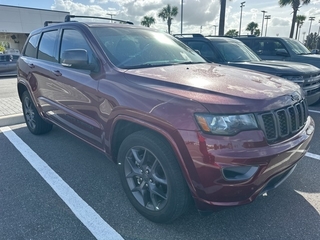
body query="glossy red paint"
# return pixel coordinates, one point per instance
(165, 99)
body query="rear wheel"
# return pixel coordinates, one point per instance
(35, 123)
(151, 177)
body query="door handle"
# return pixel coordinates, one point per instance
(31, 65)
(57, 73)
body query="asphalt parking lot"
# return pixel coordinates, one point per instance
(56, 187)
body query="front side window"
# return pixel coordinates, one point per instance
(47, 46)
(31, 48)
(268, 47)
(141, 48)
(72, 41)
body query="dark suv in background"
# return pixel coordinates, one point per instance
(178, 128)
(233, 52)
(281, 48)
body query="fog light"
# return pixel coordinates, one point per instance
(239, 173)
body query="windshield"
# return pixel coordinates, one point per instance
(297, 47)
(236, 52)
(140, 48)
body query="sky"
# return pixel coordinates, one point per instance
(199, 16)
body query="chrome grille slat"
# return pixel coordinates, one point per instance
(283, 122)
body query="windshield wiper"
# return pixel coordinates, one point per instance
(187, 63)
(305, 53)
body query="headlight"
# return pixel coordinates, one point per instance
(226, 125)
(296, 79)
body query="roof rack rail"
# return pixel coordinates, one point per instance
(247, 36)
(189, 35)
(46, 23)
(68, 18)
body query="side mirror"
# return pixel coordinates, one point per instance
(197, 51)
(282, 52)
(76, 58)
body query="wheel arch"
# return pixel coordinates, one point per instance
(21, 88)
(123, 126)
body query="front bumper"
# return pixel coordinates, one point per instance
(271, 164)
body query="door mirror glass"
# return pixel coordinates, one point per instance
(76, 58)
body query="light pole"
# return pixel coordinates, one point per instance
(267, 17)
(181, 16)
(300, 25)
(215, 30)
(111, 14)
(241, 6)
(311, 19)
(263, 12)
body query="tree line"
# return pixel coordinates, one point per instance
(167, 14)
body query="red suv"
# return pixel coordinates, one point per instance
(179, 128)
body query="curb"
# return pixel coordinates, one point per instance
(11, 120)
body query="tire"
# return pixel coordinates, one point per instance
(151, 177)
(35, 123)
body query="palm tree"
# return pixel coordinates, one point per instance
(295, 4)
(223, 4)
(232, 33)
(257, 32)
(167, 13)
(147, 21)
(252, 27)
(299, 20)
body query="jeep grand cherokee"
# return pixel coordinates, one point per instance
(179, 128)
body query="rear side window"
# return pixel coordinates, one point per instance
(47, 46)
(31, 48)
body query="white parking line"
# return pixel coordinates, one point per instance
(314, 111)
(312, 155)
(92, 220)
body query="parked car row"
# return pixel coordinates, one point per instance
(232, 52)
(8, 64)
(181, 130)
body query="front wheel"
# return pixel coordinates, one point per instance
(151, 177)
(35, 123)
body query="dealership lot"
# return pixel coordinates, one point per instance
(79, 196)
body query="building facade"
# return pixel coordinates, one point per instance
(17, 22)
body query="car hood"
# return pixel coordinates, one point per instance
(279, 68)
(216, 84)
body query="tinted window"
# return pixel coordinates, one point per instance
(5, 58)
(236, 52)
(204, 49)
(73, 40)
(268, 47)
(31, 48)
(47, 46)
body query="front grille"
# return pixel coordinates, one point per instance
(283, 123)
